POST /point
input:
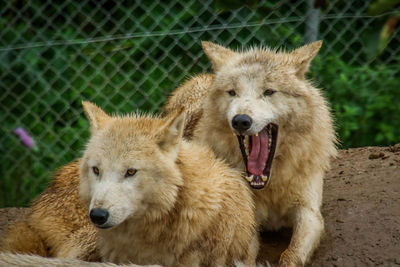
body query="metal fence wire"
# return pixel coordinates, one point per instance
(128, 55)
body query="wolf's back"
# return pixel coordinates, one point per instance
(21, 238)
(57, 224)
(189, 97)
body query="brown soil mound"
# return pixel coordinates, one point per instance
(361, 210)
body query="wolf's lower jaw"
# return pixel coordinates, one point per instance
(258, 153)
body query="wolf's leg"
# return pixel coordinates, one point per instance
(80, 245)
(251, 255)
(192, 258)
(308, 227)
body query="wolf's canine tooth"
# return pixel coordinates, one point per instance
(264, 178)
(249, 178)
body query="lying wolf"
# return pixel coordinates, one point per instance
(160, 200)
(260, 114)
(154, 199)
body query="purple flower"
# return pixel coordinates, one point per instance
(24, 137)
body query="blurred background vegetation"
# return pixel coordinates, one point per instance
(128, 55)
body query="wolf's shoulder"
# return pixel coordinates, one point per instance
(206, 175)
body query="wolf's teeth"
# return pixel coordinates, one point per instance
(246, 143)
(250, 178)
(256, 134)
(264, 178)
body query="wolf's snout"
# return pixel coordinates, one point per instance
(98, 216)
(241, 123)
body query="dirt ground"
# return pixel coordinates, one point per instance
(361, 210)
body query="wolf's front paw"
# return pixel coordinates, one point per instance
(135, 265)
(290, 259)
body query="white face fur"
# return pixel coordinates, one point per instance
(128, 169)
(257, 94)
(251, 74)
(112, 188)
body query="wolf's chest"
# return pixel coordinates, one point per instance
(153, 245)
(126, 250)
(271, 214)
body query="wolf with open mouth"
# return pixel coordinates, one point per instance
(260, 114)
(258, 152)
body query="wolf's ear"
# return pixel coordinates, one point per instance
(303, 57)
(97, 117)
(172, 131)
(217, 54)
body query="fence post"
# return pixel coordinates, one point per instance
(312, 22)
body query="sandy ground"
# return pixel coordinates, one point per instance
(361, 210)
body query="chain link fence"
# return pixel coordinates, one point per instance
(128, 55)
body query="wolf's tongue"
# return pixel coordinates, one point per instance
(258, 154)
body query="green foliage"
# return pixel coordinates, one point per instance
(380, 6)
(365, 100)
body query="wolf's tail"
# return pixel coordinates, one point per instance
(18, 260)
(21, 238)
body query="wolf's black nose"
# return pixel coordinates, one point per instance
(241, 122)
(98, 216)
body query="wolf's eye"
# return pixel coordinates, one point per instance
(96, 170)
(130, 172)
(268, 92)
(232, 92)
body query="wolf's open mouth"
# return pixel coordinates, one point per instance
(258, 152)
